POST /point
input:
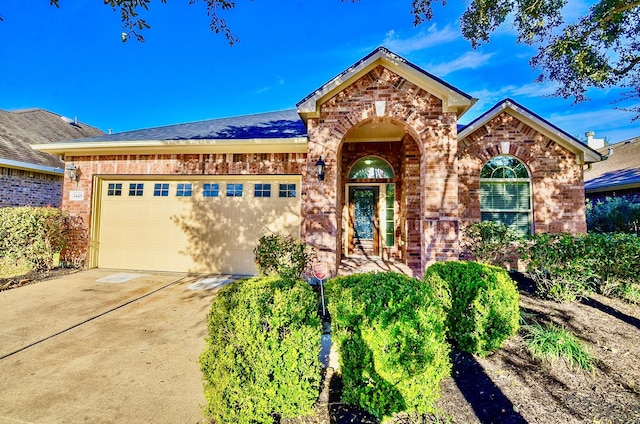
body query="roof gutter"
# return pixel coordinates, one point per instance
(31, 167)
(256, 145)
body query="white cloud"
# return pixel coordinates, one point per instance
(602, 118)
(469, 60)
(488, 97)
(432, 37)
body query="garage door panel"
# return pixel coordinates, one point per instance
(192, 234)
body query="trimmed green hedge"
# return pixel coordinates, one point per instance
(481, 304)
(390, 335)
(32, 235)
(261, 362)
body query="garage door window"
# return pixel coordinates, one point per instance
(161, 190)
(114, 189)
(136, 189)
(234, 190)
(211, 190)
(287, 190)
(262, 190)
(183, 190)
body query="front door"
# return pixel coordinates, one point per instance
(363, 220)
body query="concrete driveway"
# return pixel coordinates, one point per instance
(101, 346)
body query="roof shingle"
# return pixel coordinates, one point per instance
(622, 167)
(20, 129)
(282, 124)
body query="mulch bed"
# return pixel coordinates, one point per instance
(511, 387)
(33, 277)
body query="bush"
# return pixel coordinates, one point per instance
(282, 255)
(489, 242)
(390, 335)
(31, 235)
(566, 267)
(483, 308)
(551, 342)
(261, 363)
(614, 214)
(560, 265)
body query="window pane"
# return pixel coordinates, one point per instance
(211, 190)
(234, 190)
(161, 190)
(504, 167)
(504, 196)
(287, 190)
(389, 215)
(136, 189)
(114, 189)
(371, 167)
(517, 221)
(262, 190)
(184, 190)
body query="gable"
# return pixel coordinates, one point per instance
(584, 153)
(453, 99)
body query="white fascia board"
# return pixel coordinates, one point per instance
(257, 145)
(31, 167)
(585, 153)
(610, 187)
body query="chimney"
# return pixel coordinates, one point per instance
(594, 143)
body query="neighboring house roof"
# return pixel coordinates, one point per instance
(249, 132)
(23, 128)
(620, 171)
(586, 153)
(453, 99)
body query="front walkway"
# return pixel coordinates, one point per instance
(353, 264)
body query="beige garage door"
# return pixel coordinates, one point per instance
(207, 225)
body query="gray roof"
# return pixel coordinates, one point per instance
(20, 129)
(283, 124)
(620, 170)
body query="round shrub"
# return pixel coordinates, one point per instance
(282, 255)
(482, 309)
(261, 363)
(390, 336)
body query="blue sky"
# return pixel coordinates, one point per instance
(71, 61)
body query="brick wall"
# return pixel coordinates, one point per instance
(422, 117)
(194, 164)
(26, 188)
(557, 180)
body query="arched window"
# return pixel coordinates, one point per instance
(505, 193)
(371, 167)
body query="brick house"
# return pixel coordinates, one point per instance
(29, 177)
(618, 175)
(399, 179)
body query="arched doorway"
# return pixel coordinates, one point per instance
(370, 194)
